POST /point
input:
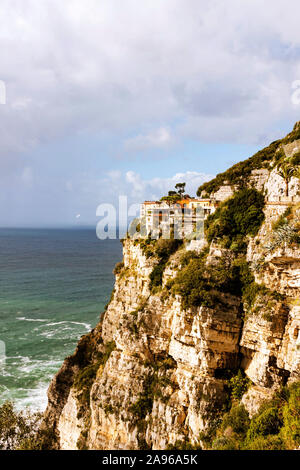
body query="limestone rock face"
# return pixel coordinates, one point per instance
(163, 382)
(270, 335)
(259, 178)
(254, 397)
(293, 147)
(275, 186)
(189, 346)
(223, 193)
(69, 426)
(164, 379)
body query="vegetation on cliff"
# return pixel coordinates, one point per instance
(199, 378)
(86, 376)
(237, 217)
(276, 426)
(285, 233)
(238, 174)
(199, 284)
(161, 250)
(286, 230)
(21, 430)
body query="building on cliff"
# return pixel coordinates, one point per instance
(185, 213)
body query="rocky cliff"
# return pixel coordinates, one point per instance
(180, 329)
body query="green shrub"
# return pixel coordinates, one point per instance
(187, 256)
(84, 381)
(237, 217)
(239, 385)
(109, 348)
(249, 288)
(225, 443)
(144, 404)
(291, 417)
(276, 425)
(294, 135)
(282, 220)
(265, 443)
(237, 418)
(156, 276)
(194, 286)
(183, 445)
(146, 245)
(19, 430)
(118, 268)
(265, 423)
(199, 284)
(162, 249)
(153, 387)
(295, 160)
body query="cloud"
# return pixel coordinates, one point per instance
(108, 188)
(160, 138)
(192, 179)
(138, 188)
(143, 76)
(89, 191)
(116, 67)
(135, 183)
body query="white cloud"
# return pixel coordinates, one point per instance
(120, 67)
(138, 188)
(160, 138)
(90, 191)
(157, 71)
(193, 179)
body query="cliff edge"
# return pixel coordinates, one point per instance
(196, 331)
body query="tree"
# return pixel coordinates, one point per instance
(174, 196)
(286, 170)
(180, 188)
(17, 427)
(297, 172)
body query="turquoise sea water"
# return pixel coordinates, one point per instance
(54, 285)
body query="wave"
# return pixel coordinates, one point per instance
(88, 326)
(34, 399)
(62, 330)
(32, 319)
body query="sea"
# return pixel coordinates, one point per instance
(54, 285)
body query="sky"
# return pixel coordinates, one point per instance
(122, 97)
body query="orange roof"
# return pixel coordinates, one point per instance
(186, 201)
(180, 201)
